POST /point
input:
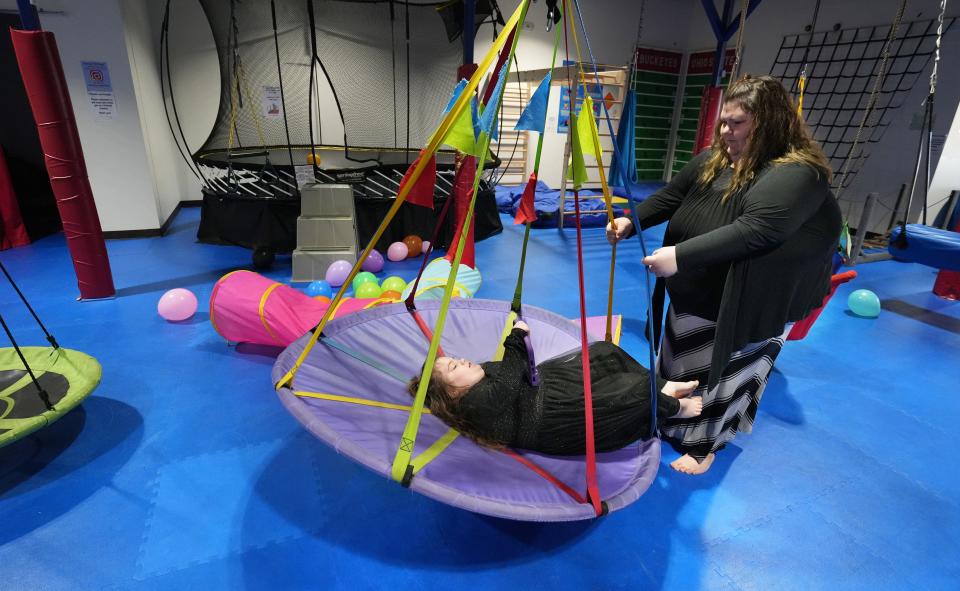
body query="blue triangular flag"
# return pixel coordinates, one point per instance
(456, 94)
(490, 112)
(534, 116)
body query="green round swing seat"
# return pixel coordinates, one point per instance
(68, 376)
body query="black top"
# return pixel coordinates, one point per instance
(754, 263)
(504, 407)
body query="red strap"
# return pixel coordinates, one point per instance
(593, 490)
(425, 329)
(546, 475)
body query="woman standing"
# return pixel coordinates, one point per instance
(752, 229)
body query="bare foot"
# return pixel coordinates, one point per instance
(689, 465)
(689, 408)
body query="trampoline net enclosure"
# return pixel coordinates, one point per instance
(362, 57)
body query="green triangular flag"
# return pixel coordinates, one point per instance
(577, 169)
(587, 130)
(462, 134)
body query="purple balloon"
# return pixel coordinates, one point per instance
(397, 251)
(374, 262)
(426, 246)
(337, 272)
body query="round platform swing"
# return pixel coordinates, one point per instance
(345, 381)
(38, 385)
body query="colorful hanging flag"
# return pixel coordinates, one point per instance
(534, 116)
(464, 132)
(456, 94)
(577, 169)
(586, 129)
(489, 118)
(422, 192)
(526, 213)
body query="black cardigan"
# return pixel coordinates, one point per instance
(753, 264)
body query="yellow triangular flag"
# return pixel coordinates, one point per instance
(587, 130)
(577, 169)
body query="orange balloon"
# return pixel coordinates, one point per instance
(311, 160)
(322, 299)
(414, 245)
(391, 295)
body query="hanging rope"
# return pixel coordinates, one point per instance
(739, 48)
(871, 102)
(926, 135)
(802, 79)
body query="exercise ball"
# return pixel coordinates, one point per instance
(319, 288)
(361, 278)
(263, 257)
(393, 283)
(177, 304)
(414, 245)
(865, 303)
(397, 251)
(337, 272)
(370, 289)
(373, 262)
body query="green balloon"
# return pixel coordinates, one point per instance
(864, 302)
(363, 277)
(369, 289)
(393, 283)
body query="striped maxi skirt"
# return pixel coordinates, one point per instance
(731, 406)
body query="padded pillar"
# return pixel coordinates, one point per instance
(46, 86)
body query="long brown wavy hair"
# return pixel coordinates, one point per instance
(447, 409)
(779, 136)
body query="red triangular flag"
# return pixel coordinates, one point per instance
(525, 211)
(422, 192)
(462, 194)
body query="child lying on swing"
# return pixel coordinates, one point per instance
(494, 404)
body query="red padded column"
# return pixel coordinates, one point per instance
(12, 231)
(46, 87)
(710, 106)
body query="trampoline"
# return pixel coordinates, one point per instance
(369, 356)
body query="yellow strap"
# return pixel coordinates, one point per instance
(354, 400)
(507, 327)
(430, 149)
(434, 451)
(262, 309)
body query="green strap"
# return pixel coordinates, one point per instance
(402, 459)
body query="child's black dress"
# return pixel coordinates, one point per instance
(550, 419)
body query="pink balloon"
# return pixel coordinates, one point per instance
(426, 247)
(177, 304)
(337, 272)
(374, 262)
(397, 251)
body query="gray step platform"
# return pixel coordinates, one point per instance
(314, 233)
(319, 200)
(309, 265)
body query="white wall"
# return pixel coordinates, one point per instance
(114, 150)
(947, 176)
